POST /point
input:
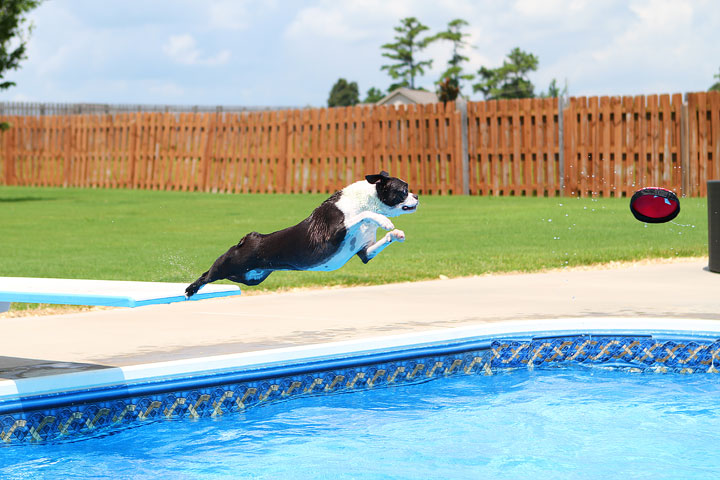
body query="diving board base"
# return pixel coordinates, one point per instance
(109, 293)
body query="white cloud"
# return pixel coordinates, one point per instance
(328, 23)
(237, 15)
(552, 10)
(662, 15)
(228, 14)
(183, 49)
(350, 20)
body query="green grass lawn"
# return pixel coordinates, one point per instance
(174, 237)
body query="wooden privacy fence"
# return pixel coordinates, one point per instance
(615, 145)
(293, 151)
(513, 147)
(600, 146)
(606, 146)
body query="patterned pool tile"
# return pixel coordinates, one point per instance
(79, 418)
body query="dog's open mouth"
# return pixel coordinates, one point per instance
(406, 207)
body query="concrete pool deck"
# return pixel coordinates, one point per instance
(45, 345)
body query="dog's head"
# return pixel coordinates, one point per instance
(394, 195)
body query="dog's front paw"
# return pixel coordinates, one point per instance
(385, 223)
(395, 236)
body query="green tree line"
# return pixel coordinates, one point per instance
(406, 64)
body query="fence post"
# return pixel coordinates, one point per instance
(10, 178)
(5, 136)
(134, 132)
(461, 105)
(561, 142)
(207, 151)
(283, 135)
(368, 142)
(685, 149)
(67, 163)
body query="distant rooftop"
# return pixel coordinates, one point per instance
(408, 96)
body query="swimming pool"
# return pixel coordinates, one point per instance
(559, 423)
(495, 377)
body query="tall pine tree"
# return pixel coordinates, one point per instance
(454, 73)
(404, 52)
(510, 80)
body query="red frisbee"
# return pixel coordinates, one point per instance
(654, 205)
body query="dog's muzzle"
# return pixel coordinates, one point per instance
(408, 208)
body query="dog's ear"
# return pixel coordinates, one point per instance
(377, 178)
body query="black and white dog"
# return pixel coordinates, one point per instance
(342, 226)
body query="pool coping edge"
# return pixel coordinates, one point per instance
(360, 350)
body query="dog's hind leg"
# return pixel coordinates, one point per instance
(220, 269)
(234, 264)
(217, 272)
(195, 286)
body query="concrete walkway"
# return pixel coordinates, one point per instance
(32, 346)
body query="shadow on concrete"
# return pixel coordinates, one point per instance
(14, 368)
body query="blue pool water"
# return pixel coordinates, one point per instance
(555, 423)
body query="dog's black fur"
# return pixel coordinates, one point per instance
(323, 241)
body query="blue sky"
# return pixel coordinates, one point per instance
(289, 53)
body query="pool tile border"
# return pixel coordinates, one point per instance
(75, 413)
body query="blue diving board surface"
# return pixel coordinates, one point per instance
(110, 293)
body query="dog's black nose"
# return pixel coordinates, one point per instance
(415, 196)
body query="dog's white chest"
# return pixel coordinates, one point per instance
(354, 241)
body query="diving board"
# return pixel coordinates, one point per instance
(110, 293)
